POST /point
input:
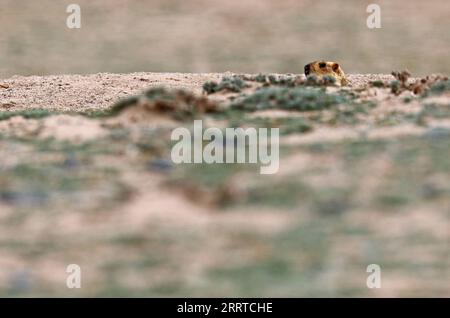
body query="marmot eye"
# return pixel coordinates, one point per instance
(322, 65)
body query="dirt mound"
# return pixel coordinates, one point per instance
(160, 103)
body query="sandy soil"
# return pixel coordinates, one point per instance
(77, 93)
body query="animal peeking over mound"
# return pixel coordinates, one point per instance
(324, 69)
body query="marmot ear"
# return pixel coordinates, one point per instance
(307, 69)
(335, 67)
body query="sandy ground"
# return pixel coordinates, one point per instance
(78, 93)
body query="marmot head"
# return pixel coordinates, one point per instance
(324, 68)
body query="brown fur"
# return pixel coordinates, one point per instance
(323, 68)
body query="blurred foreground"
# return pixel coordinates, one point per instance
(364, 178)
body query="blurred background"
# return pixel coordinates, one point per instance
(215, 36)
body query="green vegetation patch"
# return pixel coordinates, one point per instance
(69, 182)
(287, 125)
(440, 87)
(275, 79)
(277, 193)
(229, 83)
(295, 99)
(28, 114)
